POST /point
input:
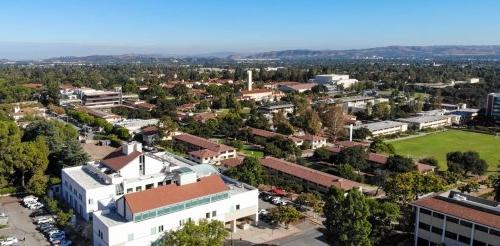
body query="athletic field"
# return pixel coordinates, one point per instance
(438, 144)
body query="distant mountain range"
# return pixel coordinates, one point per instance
(388, 52)
(451, 51)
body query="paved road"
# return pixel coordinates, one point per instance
(309, 235)
(20, 224)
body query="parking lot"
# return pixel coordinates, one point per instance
(20, 223)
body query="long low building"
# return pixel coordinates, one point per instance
(454, 218)
(204, 151)
(427, 121)
(313, 179)
(382, 128)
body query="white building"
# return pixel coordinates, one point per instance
(315, 141)
(428, 121)
(384, 127)
(132, 197)
(96, 185)
(141, 218)
(334, 79)
(134, 125)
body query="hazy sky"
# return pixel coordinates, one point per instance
(38, 29)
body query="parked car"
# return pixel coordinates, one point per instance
(57, 237)
(38, 212)
(276, 200)
(63, 242)
(30, 198)
(54, 232)
(34, 206)
(9, 241)
(46, 220)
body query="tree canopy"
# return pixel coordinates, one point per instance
(202, 233)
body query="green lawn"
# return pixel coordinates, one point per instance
(439, 144)
(247, 150)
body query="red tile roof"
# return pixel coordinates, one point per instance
(377, 158)
(460, 211)
(173, 193)
(423, 168)
(117, 160)
(203, 153)
(349, 144)
(149, 130)
(269, 134)
(204, 116)
(232, 162)
(203, 143)
(311, 175)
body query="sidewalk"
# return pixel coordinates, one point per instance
(263, 233)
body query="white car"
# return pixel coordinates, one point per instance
(34, 206)
(9, 241)
(45, 220)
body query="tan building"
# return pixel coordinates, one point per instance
(204, 151)
(454, 218)
(427, 121)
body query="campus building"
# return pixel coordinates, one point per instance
(493, 106)
(315, 141)
(95, 185)
(334, 79)
(98, 98)
(268, 134)
(312, 179)
(427, 121)
(454, 218)
(382, 128)
(204, 151)
(141, 218)
(273, 108)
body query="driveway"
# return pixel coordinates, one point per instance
(20, 224)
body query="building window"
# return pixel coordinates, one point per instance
(100, 234)
(481, 228)
(438, 215)
(130, 190)
(478, 243)
(463, 239)
(160, 184)
(437, 230)
(138, 188)
(495, 232)
(214, 213)
(153, 230)
(465, 223)
(451, 219)
(424, 226)
(131, 236)
(425, 211)
(450, 235)
(149, 186)
(238, 207)
(207, 215)
(160, 228)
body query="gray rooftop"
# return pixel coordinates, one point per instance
(377, 126)
(424, 118)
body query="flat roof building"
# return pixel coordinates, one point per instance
(454, 218)
(493, 106)
(386, 127)
(427, 121)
